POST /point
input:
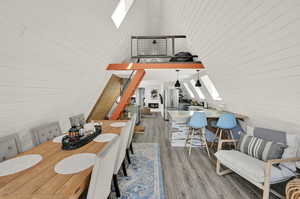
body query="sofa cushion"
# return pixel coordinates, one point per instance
(251, 168)
(291, 140)
(260, 148)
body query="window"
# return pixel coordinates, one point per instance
(120, 12)
(189, 90)
(211, 87)
(197, 89)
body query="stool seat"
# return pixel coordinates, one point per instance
(227, 121)
(198, 120)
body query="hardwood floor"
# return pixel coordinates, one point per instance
(192, 177)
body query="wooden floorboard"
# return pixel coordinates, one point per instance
(192, 177)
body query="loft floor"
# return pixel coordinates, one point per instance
(193, 177)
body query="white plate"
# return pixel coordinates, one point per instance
(118, 124)
(19, 164)
(58, 139)
(106, 137)
(75, 163)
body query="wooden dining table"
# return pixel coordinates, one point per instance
(42, 182)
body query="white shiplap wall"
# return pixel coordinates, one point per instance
(53, 56)
(251, 49)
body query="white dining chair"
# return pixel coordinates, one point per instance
(129, 143)
(124, 136)
(100, 184)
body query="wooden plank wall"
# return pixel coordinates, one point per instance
(106, 99)
(251, 51)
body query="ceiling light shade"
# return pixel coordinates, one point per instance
(177, 84)
(198, 84)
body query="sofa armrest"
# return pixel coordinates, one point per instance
(276, 161)
(269, 163)
(225, 141)
(268, 168)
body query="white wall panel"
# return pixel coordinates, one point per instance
(251, 50)
(53, 56)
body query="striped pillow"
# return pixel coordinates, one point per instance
(260, 148)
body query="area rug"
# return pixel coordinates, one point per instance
(145, 180)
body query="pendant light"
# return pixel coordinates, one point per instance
(198, 84)
(177, 84)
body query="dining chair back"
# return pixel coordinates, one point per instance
(45, 132)
(100, 183)
(10, 146)
(134, 118)
(124, 136)
(77, 120)
(129, 146)
(227, 121)
(123, 144)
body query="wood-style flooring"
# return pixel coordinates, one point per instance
(192, 177)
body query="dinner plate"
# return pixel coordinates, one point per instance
(118, 124)
(106, 137)
(75, 163)
(18, 164)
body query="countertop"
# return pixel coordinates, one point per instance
(182, 116)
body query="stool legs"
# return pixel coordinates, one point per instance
(191, 142)
(190, 137)
(203, 139)
(231, 134)
(187, 138)
(220, 136)
(217, 133)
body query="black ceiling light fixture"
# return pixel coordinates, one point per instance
(198, 84)
(177, 84)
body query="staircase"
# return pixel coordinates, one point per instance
(106, 100)
(128, 90)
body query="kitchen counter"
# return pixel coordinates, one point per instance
(183, 116)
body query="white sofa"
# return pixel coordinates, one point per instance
(258, 172)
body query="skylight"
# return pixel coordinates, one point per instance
(197, 89)
(211, 87)
(189, 90)
(120, 12)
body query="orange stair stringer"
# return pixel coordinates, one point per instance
(125, 99)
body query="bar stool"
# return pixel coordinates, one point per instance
(225, 123)
(197, 122)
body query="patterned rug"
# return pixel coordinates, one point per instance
(145, 180)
